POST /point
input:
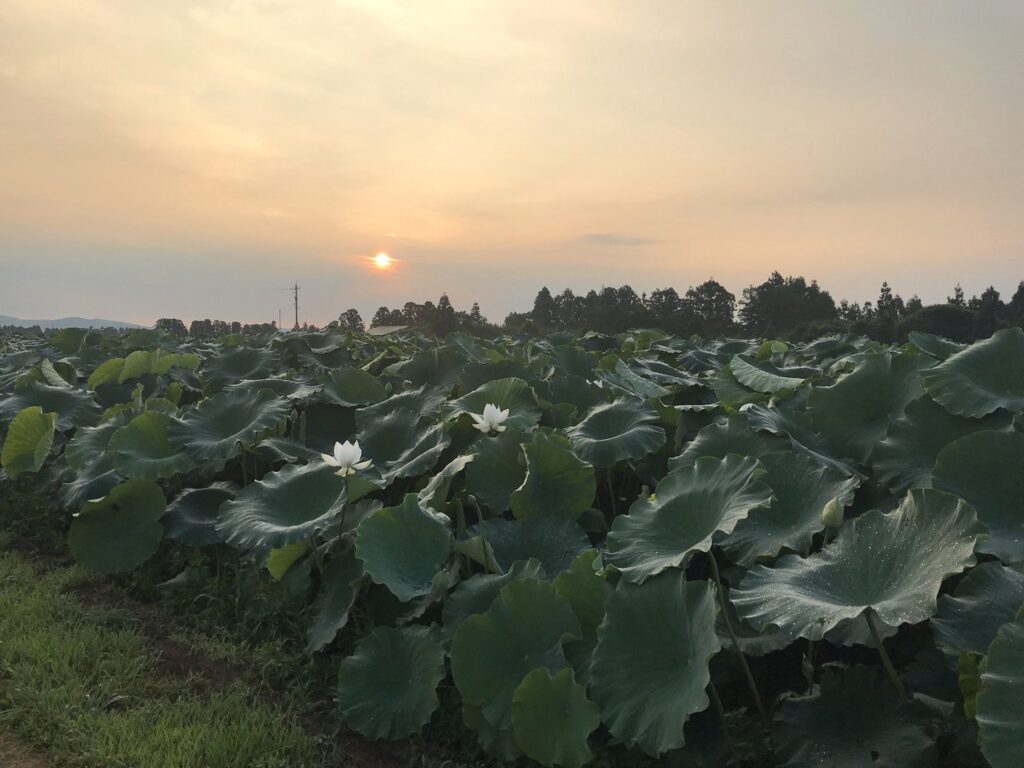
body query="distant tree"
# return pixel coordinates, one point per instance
(351, 320)
(889, 306)
(475, 316)
(544, 308)
(949, 320)
(957, 299)
(171, 326)
(569, 309)
(849, 312)
(384, 317)
(989, 311)
(236, 327)
(913, 304)
(443, 319)
(713, 305)
(782, 303)
(201, 329)
(1015, 309)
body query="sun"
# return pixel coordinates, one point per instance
(382, 261)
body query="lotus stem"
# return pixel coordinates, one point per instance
(890, 670)
(717, 702)
(344, 509)
(735, 640)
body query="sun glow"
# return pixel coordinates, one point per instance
(382, 261)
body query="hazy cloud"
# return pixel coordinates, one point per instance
(616, 239)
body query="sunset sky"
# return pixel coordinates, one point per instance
(193, 159)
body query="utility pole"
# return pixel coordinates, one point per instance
(295, 291)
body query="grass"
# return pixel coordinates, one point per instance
(84, 685)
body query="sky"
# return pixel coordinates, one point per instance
(194, 159)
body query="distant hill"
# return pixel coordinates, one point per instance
(67, 322)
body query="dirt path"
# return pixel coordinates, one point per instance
(15, 755)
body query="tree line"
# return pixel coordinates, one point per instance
(780, 307)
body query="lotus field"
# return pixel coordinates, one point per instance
(637, 547)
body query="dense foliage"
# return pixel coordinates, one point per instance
(706, 552)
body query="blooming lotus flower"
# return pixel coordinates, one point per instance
(347, 458)
(491, 419)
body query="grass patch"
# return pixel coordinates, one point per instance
(81, 683)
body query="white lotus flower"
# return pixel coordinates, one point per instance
(491, 419)
(347, 458)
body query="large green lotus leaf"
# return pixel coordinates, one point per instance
(692, 508)
(353, 387)
(905, 458)
(229, 366)
(663, 373)
(796, 425)
(800, 490)
(624, 430)
(492, 652)
(615, 373)
(552, 718)
(650, 668)
(856, 720)
(1000, 704)
(986, 469)
(893, 563)
(404, 548)
(74, 407)
(587, 590)
(477, 593)
(578, 391)
(435, 493)
(86, 451)
(734, 435)
(936, 346)
(854, 413)
(751, 641)
(293, 389)
(387, 689)
(558, 482)
(28, 442)
(142, 362)
(967, 622)
(192, 517)
(400, 444)
(142, 449)
(425, 401)
(496, 472)
(730, 392)
(120, 531)
(513, 394)
(497, 742)
(439, 367)
(108, 372)
(284, 507)
(280, 561)
(324, 424)
(762, 376)
(341, 581)
(986, 376)
(553, 541)
(479, 373)
(217, 428)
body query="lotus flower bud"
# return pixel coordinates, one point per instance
(832, 515)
